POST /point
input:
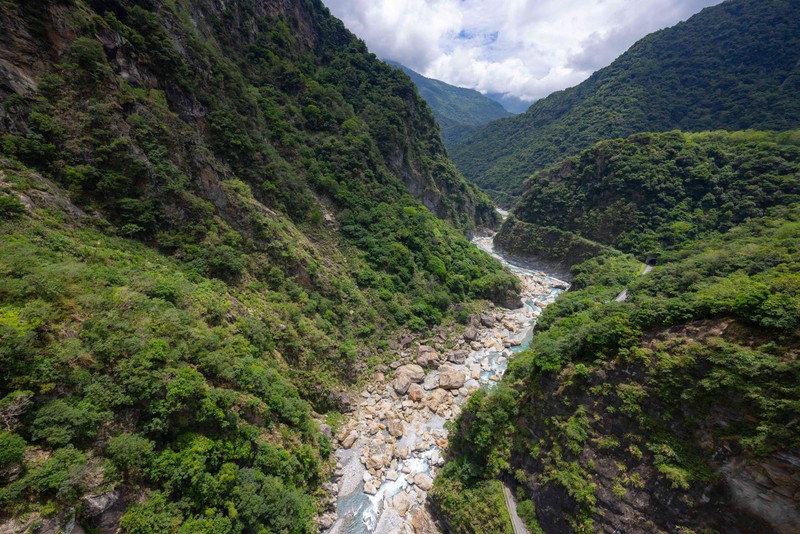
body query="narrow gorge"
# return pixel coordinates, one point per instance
(241, 292)
(392, 445)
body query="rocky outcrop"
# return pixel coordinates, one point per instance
(767, 488)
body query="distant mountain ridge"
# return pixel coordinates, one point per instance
(459, 111)
(733, 66)
(510, 102)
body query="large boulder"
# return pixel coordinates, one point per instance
(431, 381)
(437, 398)
(395, 428)
(415, 373)
(416, 392)
(407, 375)
(423, 481)
(470, 333)
(350, 439)
(457, 356)
(401, 384)
(427, 357)
(376, 461)
(451, 378)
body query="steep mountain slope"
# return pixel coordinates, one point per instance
(652, 192)
(733, 66)
(673, 409)
(213, 219)
(459, 111)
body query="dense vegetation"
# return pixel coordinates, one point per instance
(652, 192)
(624, 410)
(213, 218)
(459, 111)
(733, 66)
(124, 367)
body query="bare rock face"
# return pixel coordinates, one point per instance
(326, 521)
(427, 357)
(326, 430)
(769, 488)
(423, 523)
(97, 504)
(405, 376)
(401, 503)
(450, 378)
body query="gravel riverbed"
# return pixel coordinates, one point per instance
(389, 451)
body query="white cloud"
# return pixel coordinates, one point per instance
(527, 48)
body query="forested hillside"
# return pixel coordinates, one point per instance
(654, 192)
(733, 66)
(671, 407)
(459, 111)
(214, 217)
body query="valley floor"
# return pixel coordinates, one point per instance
(391, 448)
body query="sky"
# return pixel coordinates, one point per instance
(525, 48)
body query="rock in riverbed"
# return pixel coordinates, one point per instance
(451, 378)
(423, 481)
(427, 357)
(395, 437)
(407, 375)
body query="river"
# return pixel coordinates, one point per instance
(391, 448)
